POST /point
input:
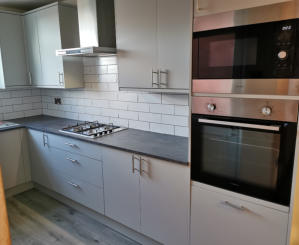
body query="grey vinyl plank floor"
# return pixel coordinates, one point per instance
(37, 219)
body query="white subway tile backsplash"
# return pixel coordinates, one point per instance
(175, 99)
(164, 109)
(175, 120)
(181, 131)
(138, 107)
(101, 100)
(139, 125)
(161, 128)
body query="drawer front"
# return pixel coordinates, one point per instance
(77, 166)
(75, 146)
(84, 193)
(234, 221)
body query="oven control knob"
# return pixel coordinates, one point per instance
(267, 110)
(282, 54)
(211, 107)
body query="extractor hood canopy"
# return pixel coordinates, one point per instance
(96, 29)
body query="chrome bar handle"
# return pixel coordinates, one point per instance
(133, 163)
(74, 185)
(71, 145)
(60, 77)
(30, 78)
(235, 206)
(45, 139)
(241, 125)
(157, 76)
(165, 72)
(72, 160)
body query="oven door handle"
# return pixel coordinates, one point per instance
(241, 125)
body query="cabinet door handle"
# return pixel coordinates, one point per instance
(165, 73)
(45, 140)
(235, 206)
(72, 160)
(74, 185)
(71, 145)
(133, 163)
(30, 78)
(60, 77)
(157, 78)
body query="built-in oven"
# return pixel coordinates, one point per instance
(245, 145)
(258, 58)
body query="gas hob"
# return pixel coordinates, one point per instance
(91, 129)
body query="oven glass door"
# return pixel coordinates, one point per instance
(252, 157)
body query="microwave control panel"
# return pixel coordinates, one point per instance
(285, 48)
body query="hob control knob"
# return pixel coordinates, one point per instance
(282, 54)
(211, 107)
(266, 111)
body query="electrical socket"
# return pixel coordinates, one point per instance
(57, 101)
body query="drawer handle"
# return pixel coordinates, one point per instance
(72, 160)
(235, 206)
(71, 145)
(133, 163)
(74, 185)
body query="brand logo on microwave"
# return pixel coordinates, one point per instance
(286, 28)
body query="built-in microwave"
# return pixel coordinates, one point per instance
(245, 146)
(258, 58)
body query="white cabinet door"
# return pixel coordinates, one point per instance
(12, 51)
(206, 7)
(11, 158)
(165, 201)
(174, 43)
(220, 219)
(49, 41)
(121, 188)
(136, 31)
(32, 44)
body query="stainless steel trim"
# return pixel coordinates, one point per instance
(74, 185)
(232, 205)
(246, 86)
(72, 160)
(242, 125)
(281, 110)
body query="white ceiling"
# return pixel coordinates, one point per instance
(26, 5)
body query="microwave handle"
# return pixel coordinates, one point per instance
(241, 125)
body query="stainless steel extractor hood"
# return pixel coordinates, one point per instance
(96, 29)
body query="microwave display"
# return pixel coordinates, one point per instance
(264, 50)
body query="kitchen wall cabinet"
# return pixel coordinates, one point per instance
(235, 221)
(14, 158)
(13, 66)
(48, 29)
(73, 175)
(206, 7)
(154, 44)
(142, 193)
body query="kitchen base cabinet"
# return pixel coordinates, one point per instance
(121, 188)
(72, 175)
(165, 201)
(217, 218)
(148, 195)
(13, 158)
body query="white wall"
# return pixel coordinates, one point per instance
(20, 103)
(100, 100)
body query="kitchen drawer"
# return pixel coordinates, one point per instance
(218, 218)
(77, 190)
(76, 146)
(77, 166)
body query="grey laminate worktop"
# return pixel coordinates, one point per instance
(162, 146)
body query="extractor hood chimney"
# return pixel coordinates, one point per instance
(96, 29)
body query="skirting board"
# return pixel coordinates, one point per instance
(99, 217)
(18, 189)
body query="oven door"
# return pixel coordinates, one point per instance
(248, 156)
(254, 51)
